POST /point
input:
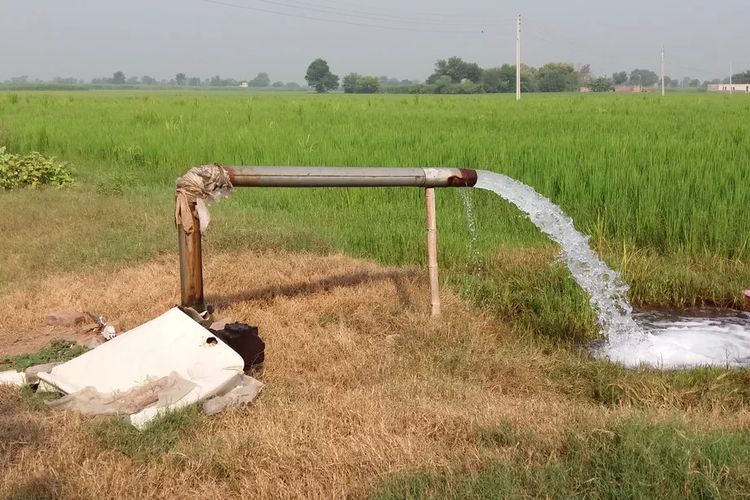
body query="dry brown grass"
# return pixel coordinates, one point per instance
(345, 403)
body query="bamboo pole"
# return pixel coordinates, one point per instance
(432, 263)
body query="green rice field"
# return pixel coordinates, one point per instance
(661, 185)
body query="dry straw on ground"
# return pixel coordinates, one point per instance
(360, 384)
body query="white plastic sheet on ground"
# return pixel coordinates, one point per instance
(172, 345)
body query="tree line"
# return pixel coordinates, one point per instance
(450, 76)
(456, 76)
(180, 80)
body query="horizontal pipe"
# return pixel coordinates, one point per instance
(350, 177)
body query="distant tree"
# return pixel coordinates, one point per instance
(503, 79)
(262, 80)
(367, 85)
(349, 83)
(620, 78)
(602, 84)
(741, 77)
(277, 84)
(583, 75)
(180, 79)
(147, 80)
(65, 81)
(215, 81)
(686, 81)
(132, 80)
(354, 83)
(443, 85)
(644, 77)
(292, 85)
(194, 81)
(457, 70)
(19, 79)
(118, 77)
(556, 77)
(493, 80)
(320, 78)
(469, 87)
(695, 83)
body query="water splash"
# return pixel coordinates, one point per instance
(657, 339)
(606, 289)
(687, 339)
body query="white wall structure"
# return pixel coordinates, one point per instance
(740, 88)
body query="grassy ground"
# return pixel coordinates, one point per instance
(456, 408)
(484, 402)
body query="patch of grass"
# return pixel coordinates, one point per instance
(37, 487)
(614, 385)
(503, 434)
(630, 460)
(56, 351)
(158, 438)
(36, 400)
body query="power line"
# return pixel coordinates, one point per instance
(339, 21)
(412, 14)
(373, 16)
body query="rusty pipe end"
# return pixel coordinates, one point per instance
(467, 178)
(450, 177)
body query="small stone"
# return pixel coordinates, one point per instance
(65, 318)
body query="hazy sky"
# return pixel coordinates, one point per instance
(239, 38)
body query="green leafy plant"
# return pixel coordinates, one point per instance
(32, 170)
(56, 351)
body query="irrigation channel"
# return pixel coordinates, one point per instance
(661, 339)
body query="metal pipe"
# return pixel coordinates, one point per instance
(350, 177)
(191, 265)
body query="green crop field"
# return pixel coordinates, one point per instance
(662, 185)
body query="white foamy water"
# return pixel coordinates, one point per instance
(660, 340)
(686, 339)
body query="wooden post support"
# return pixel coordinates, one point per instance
(191, 265)
(432, 262)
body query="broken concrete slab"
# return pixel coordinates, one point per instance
(171, 343)
(242, 394)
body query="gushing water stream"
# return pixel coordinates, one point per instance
(663, 343)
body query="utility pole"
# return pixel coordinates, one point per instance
(518, 57)
(663, 78)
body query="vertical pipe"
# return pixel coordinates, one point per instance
(191, 265)
(432, 264)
